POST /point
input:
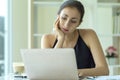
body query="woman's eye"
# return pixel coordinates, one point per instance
(64, 18)
(73, 21)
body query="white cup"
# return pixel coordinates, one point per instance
(18, 68)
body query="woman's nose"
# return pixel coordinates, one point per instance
(67, 24)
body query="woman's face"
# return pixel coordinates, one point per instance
(69, 19)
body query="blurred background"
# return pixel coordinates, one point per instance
(23, 22)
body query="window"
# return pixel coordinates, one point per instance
(1, 44)
(5, 38)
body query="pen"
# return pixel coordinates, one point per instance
(20, 76)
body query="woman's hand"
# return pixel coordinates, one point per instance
(59, 34)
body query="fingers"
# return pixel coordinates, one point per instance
(56, 25)
(56, 20)
(57, 30)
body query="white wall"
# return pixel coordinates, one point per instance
(19, 27)
(89, 19)
(105, 26)
(107, 0)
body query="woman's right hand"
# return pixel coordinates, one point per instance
(59, 34)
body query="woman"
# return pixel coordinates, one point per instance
(89, 54)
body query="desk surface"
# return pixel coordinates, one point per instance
(116, 77)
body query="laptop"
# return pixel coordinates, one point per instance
(50, 64)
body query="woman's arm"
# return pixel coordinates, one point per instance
(101, 67)
(59, 34)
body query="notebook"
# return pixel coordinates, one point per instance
(50, 64)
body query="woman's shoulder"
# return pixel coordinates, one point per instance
(48, 39)
(48, 36)
(87, 32)
(88, 35)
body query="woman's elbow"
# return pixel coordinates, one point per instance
(102, 70)
(105, 71)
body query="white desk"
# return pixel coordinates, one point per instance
(117, 77)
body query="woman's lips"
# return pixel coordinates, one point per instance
(65, 29)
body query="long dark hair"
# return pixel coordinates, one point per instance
(73, 3)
